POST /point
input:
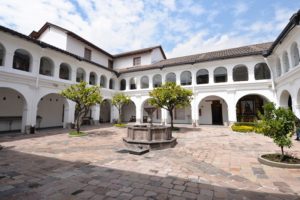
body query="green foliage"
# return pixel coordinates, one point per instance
(120, 125)
(118, 100)
(76, 134)
(278, 124)
(84, 97)
(245, 124)
(242, 128)
(170, 96)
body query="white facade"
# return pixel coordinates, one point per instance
(29, 95)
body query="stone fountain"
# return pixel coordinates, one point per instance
(143, 138)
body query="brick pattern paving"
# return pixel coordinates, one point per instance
(209, 163)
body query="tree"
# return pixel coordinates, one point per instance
(118, 100)
(84, 97)
(278, 124)
(170, 96)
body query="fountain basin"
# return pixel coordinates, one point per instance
(142, 138)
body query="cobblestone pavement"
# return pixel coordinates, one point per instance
(207, 163)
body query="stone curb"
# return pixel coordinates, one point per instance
(277, 164)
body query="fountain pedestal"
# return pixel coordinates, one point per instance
(142, 138)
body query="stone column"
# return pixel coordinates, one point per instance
(69, 114)
(8, 62)
(231, 104)
(138, 112)
(164, 115)
(96, 114)
(35, 65)
(195, 116)
(150, 82)
(251, 74)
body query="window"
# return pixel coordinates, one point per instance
(80, 75)
(157, 80)
(220, 75)
(123, 84)
(144, 82)
(278, 68)
(2, 54)
(93, 78)
(295, 54)
(136, 61)
(22, 60)
(171, 77)
(111, 84)
(110, 64)
(133, 83)
(261, 71)
(64, 71)
(240, 73)
(87, 54)
(103, 81)
(285, 60)
(46, 66)
(202, 76)
(186, 78)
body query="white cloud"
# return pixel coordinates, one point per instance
(240, 8)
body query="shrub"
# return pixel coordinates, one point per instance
(243, 129)
(120, 125)
(245, 123)
(76, 134)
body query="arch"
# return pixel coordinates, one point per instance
(65, 71)
(220, 75)
(144, 82)
(295, 54)
(157, 80)
(285, 99)
(202, 76)
(51, 111)
(46, 66)
(186, 78)
(105, 111)
(171, 77)
(123, 84)
(261, 71)
(156, 117)
(103, 81)
(128, 113)
(285, 61)
(13, 106)
(132, 83)
(22, 60)
(212, 110)
(240, 73)
(278, 67)
(80, 75)
(2, 54)
(111, 84)
(93, 78)
(248, 107)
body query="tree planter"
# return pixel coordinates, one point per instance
(277, 164)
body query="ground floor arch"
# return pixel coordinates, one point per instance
(105, 111)
(128, 113)
(212, 110)
(51, 111)
(156, 117)
(13, 110)
(285, 100)
(249, 106)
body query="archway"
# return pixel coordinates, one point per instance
(248, 107)
(51, 111)
(12, 106)
(129, 112)
(156, 117)
(212, 110)
(286, 100)
(105, 111)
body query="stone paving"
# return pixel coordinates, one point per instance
(208, 163)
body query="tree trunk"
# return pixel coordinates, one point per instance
(119, 119)
(282, 153)
(171, 115)
(78, 123)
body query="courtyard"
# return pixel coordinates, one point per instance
(209, 163)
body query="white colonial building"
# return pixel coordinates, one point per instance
(228, 85)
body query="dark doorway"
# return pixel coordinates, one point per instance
(217, 115)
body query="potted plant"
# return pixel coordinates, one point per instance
(278, 124)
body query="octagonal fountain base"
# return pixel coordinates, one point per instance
(140, 138)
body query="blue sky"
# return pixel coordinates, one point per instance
(182, 27)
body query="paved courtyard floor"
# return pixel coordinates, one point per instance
(207, 163)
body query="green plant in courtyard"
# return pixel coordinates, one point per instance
(119, 100)
(76, 134)
(278, 124)
(120, 125)
(84, 96)
(170, 96)
(242, 128)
